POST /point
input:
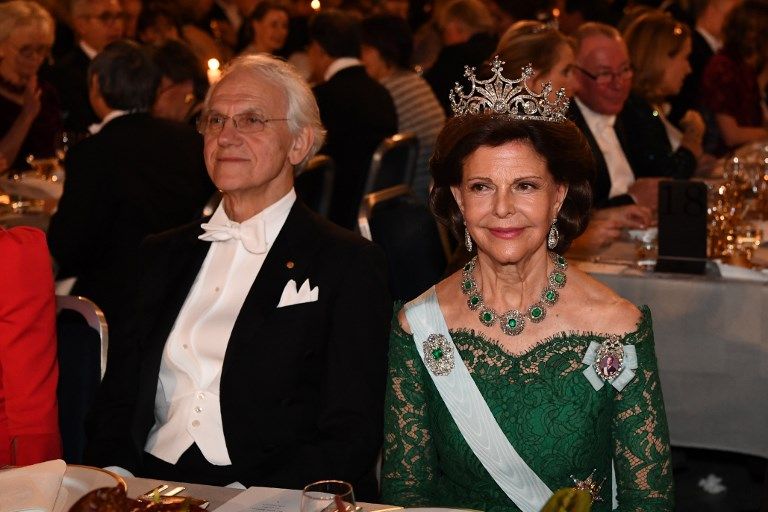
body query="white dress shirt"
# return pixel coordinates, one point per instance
(339, 64)
(88, 50)
(714, 43)
(96, 127)
(619, 170)
(187, 407)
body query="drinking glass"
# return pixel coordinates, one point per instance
(328, 496)
(647, 249)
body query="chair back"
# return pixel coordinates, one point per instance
(93, 317)
(314, 183)
(82, 355)
(400, 223)
(393, 163)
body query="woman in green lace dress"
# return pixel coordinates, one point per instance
(566, 367)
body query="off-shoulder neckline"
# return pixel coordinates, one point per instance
(633, 336)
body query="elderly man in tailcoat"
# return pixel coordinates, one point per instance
(256, 346)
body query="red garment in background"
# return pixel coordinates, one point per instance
(29, 424)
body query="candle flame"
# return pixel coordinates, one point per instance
(213, 64)
(315, 4)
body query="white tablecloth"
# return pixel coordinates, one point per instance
(712, 347)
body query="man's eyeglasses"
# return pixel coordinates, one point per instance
(607, 77)
(107, 17)
(29, 51)
(248, 122)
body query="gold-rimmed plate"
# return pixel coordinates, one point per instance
(80, 480)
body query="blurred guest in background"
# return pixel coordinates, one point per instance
(546, 49)
(163, 21)
(707, 38)
(96, 24)
(221, 18)
(467, 32)
(659, 47)
(269, 23)
(131, 12)
(730, 87)
(29, 421)
(386, 53)
(30, 119)
(603, 82)
(137, 175)
(157, 23)
(265, 296)
(357, 111)
(183, 83)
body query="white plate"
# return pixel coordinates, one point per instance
(80, 480)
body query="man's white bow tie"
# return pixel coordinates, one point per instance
(253, 236)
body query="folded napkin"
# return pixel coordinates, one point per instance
(31, 488)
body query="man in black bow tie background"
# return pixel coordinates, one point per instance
(255, 350)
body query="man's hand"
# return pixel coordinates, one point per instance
(645, 192)
(631, 216)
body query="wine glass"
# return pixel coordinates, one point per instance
(328, 496)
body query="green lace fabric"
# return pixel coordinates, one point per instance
(558, 423)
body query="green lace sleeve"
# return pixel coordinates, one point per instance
(640, 434)
(409, 456)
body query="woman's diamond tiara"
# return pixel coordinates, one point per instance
(512, 97)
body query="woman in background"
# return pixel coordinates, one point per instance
(659, 47)
(730, 89)
(546, 49)
(29, 427)
(30, 118)
(270, 28)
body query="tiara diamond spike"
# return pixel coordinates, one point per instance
(501, 95)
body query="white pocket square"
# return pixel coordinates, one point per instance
(304, 294)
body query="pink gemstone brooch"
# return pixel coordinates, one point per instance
(610, 361)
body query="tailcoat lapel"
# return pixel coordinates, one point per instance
(288, 258)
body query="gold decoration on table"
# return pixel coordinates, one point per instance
(737, 206)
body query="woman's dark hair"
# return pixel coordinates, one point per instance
(337, 32)
(392, 37)
(562, 145)
(154, 13)
(128, 78)
(265, 6)
(178, 62)
(744, 30)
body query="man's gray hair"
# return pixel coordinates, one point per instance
(20, 13)
(302, 111)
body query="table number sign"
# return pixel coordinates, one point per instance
(682, 227)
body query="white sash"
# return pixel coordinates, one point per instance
(472, 415)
